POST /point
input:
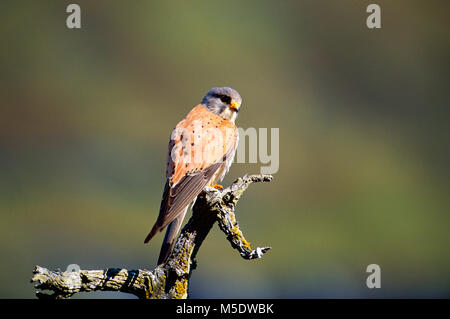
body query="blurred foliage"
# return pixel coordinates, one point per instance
(363, 115)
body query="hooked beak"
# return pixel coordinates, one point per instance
(234, 106)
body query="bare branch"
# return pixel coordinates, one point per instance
(169, 280)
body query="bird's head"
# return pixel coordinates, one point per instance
(223, 101)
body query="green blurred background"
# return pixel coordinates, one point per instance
(364, 141)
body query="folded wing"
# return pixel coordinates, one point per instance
(188, 172)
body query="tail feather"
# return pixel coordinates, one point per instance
(169, 238)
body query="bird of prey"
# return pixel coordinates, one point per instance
(201, 150)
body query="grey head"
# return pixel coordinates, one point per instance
(223, 101)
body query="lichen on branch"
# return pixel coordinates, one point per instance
(171, 279)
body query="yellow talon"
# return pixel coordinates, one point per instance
(217, 186)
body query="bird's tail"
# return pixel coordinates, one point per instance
(169, 238)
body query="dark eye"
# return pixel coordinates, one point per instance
(225, 99)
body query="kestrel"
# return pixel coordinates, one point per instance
(201, 150)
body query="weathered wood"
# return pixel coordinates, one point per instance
(171, 279)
